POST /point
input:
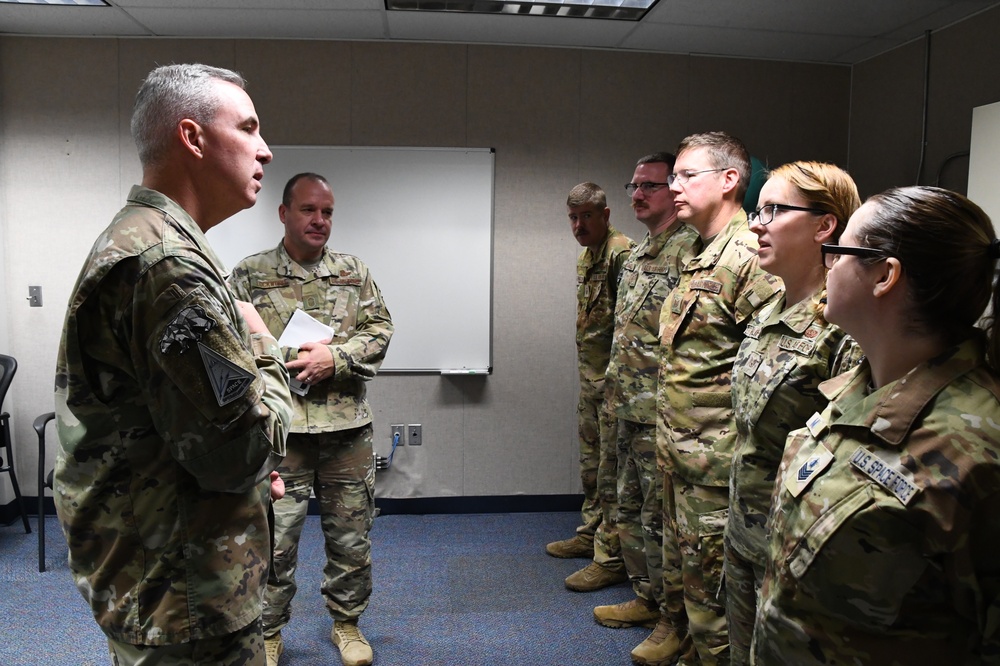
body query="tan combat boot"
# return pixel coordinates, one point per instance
(661, 648)
(635, 613)
(595, 577)
(577, 546)
(273, 647)
(354, 648)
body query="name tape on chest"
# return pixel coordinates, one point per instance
(799, 345)
(713, 286)
(272, 284)
(753, 331)
(893, 479)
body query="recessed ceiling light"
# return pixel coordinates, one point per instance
(620, 10)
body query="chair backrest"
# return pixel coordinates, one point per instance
(8, 366)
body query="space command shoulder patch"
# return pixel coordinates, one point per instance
(896, 481)
(228, 380)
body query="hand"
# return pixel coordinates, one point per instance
(314, 363)
(252, 317)
(277, 486)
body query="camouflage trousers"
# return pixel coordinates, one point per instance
(743, 581)
(598, 465)
(696, 516)
(240, 648)
(338, 468)
(640, 512)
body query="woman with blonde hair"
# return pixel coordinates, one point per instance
(789, 349)
(886, 510)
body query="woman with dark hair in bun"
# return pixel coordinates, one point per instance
(885, 518)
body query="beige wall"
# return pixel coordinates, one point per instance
(555, 117)
(887, 101)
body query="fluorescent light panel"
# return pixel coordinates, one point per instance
(620, 10)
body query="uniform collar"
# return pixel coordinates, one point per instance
(713, 251)
(890, 412)
(800, 316)
(288, 267)
(144, 196)
(588, 258)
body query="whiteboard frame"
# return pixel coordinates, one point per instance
(421, 219)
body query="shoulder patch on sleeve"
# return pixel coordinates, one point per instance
(228, 380)
(187, 327)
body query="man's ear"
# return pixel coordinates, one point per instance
(281, 212)
(889, 275)
(192, 137)
(731, 178)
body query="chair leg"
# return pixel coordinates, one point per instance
(10, 470)
(20, 500)
(41, 527)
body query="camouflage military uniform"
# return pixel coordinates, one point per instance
(597, 292)
(330, 447)
(885, 520)
(701, 328)
(170, 416)
(650, 273)
(782, 360)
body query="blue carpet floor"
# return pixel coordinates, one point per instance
(456, 590)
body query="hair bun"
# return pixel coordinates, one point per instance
(995, 248)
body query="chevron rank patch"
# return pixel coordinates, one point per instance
(799, 478)
(897, 481)
(229, 381)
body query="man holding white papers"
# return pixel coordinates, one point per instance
(329, 449)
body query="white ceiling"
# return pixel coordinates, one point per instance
(828, 31)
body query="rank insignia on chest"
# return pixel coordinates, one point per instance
(751, 364)
(891, 477)
(676, 302)
(800, 477)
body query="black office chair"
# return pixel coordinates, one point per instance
(8, 366)
(44, 481)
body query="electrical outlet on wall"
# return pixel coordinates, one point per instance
(400, 430)
(415, 434)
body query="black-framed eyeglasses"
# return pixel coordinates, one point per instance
(682, 177)
(832, 252)
(765, 214)
(646, 187)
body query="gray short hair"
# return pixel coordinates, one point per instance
(587, 193)
(170, 94)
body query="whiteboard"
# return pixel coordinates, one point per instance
(421, 219)
(984, 172)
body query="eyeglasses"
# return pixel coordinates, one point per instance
(647, 187)
(682, 177)
(831, 252)
(765, 214)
